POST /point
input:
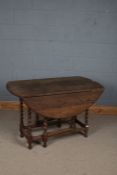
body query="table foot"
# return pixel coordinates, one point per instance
(45, 144)
(29, 144)
(86, 131)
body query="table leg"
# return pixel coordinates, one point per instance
(86, 123)
(21, 118)
(29, 129)
(45, 136)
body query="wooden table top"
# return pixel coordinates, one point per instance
(50, 86)
(57, 97)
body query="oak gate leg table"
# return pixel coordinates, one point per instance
(55, 99)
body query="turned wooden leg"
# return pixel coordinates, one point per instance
(86, 123)
(29, 130)
(45, 136)
(21, 118)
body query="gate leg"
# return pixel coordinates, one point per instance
(21, 118)
(45, 136)
(86, 123)
(29, 130)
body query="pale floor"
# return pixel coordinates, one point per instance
(68, 155)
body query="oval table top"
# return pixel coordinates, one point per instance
(49, 86)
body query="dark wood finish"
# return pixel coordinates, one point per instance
(56, 99)
(21, 117)
(62, 105)
(40, 87)
(45, 134)
(29, 129)
(86, 123)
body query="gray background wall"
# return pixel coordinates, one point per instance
(51, 38)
